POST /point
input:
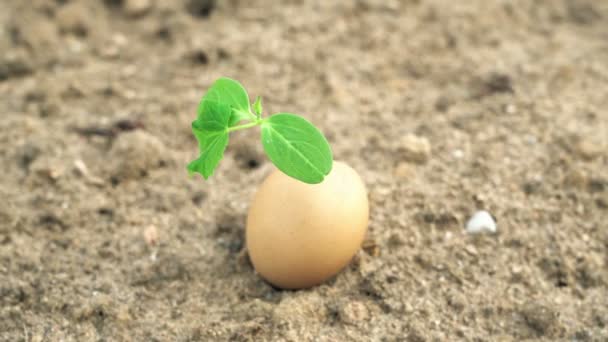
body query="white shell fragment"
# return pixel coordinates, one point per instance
(481, 221)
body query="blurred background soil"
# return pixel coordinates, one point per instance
(443, 107)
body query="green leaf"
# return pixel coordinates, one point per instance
(212, 146)
(296, 147)
(257, 107)
(212, 116)
(210, 129)
(231, 93)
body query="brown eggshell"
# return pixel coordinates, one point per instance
(299, 235)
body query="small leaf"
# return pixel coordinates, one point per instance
(231, 93)
(257, 107)
(212, 146)
(212, 116)
(210, 129)
(296, 147)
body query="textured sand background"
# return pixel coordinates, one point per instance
(444, 107)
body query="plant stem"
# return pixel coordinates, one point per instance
(244, 126)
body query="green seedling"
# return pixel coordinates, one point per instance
(292, 143)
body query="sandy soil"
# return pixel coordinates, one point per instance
(444, 108)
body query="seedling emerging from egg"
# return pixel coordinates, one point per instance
(308, 218)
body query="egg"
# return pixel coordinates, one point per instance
(299, 235)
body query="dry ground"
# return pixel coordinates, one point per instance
(96, 99)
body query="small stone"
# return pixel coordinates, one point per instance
(414, 148)
(353, 313)
(481, 221)
(588, 150)
(47, 168)
(151, 236)
(74, 45)
(81, 168)
(471, 250)
(541, 320)
(122, 314)
(510, 109)
(457, 300)
(370, 246)
(120, 40)
(403, 171)
(457, 154)
(137, 8)
(113, 47)
(516, 269)
(380, 194)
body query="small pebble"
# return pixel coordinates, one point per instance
(414, 148)
(370, 246)
(471, 250)
(457, 154)
(120, 40)
(136, 8)
(481, 221)
(404, 171)
(151, 236)
(353, 313)
(589, 150)
(46, 168)
(81, 168)
(510, 109)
